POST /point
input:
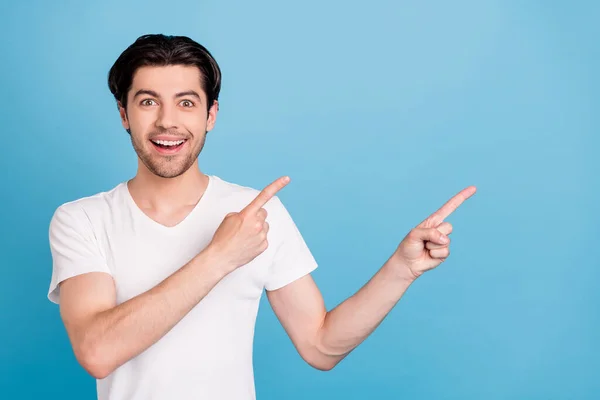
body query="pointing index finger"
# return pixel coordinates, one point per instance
(451, 205)
(265, 195)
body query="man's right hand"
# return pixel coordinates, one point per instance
(242, 236)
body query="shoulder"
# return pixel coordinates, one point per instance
(84, 211)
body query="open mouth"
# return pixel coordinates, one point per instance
(168, 146)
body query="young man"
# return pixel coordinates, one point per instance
(159, 279)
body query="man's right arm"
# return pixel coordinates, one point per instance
(105, 335)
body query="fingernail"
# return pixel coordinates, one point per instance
(444, 239)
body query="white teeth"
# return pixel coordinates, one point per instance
(169, 143)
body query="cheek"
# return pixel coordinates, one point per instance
(196, 123)
(141, 122)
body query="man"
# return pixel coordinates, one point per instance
(159, 279)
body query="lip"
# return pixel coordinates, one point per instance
(171, 150)
(168, 138)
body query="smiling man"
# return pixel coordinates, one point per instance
(159, 279)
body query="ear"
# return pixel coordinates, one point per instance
(212, 116)
(123, 114)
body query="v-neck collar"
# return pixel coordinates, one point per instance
(151, 222)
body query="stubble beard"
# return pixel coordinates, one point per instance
(167, 166)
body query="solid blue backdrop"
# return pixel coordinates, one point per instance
(380, 112)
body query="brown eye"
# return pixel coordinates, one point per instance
(145, 102)
(187, 103)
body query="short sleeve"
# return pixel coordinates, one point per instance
(73, 246)
(292, 259)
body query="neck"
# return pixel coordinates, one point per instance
(154, 192)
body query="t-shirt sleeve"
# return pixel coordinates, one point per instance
(292, 259)
(73, 246)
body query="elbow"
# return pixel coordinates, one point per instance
(94, 360)
(323, 366)
(321, 361)
(98, 371)
(319, 356)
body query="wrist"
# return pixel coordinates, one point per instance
(399, 270)
(213, 259)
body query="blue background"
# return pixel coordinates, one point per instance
(380, 112)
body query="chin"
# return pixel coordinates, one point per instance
(167, 168)
(171, 172)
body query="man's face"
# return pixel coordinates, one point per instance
(167, 117)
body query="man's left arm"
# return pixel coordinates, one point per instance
(323, 338)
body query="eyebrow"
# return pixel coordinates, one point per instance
(177, 95)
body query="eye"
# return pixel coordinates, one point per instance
(145, 102)
(187, 103)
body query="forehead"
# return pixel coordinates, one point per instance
(167, 80)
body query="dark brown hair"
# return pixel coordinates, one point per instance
(162, 50)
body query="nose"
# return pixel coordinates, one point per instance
(166, 118)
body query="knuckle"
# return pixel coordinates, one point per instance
(445, 227)
(440, 253)
(430, 222)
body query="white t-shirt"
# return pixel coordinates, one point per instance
(208, 354)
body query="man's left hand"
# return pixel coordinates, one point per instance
(428, 245)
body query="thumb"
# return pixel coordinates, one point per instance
(428, 235)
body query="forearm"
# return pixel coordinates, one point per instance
(352, 321)
(114, 336)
